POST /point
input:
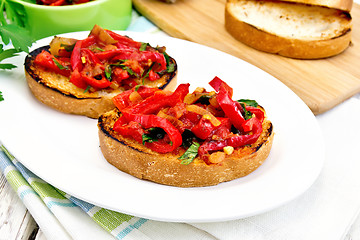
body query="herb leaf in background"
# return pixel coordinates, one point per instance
(20, 37)
(12, 30)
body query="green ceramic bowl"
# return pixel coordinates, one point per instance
(43, 21)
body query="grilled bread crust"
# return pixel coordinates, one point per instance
(135, 159)
(57, 92)
(290, 29)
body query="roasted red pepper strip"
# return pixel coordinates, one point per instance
(235, 141)
(122, 101)
(132, 129)
(259, 114)
(230, 107)
(134, 54)
(77, 79)
(46, 60)
(150, 121)
(160, 100)
(204, 129)
(124, 40)
(91, 56)
(95, 83)
(217, 82)
(75, 59)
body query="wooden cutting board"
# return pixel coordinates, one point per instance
(321, 84)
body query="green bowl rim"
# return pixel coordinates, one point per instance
(75, 6)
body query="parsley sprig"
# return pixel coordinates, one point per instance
(12, 22)
(12, 30)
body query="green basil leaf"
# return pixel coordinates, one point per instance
(190, 154)
(247, 114)
(153, 135)
(148, 138)
(248, 102)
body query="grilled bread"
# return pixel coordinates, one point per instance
(137, 159)
(296, 29)
(55, 89)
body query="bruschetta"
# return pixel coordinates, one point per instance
(185, 139)
(81, 76)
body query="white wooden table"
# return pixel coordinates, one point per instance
(15, 220)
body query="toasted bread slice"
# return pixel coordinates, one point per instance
(291, 29)
(56, 91)
(135, 159)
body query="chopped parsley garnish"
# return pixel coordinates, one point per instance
(100, 49)
(190, 154)
(87, 89)
(143, 46)
(108, 72)
(137, 87)
(59, 65)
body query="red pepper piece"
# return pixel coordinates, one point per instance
(124, 40)
(204, 129)
(131, 129)
(105, 55)
(153, 76)
(217, 82)
(91, 57)
(119, 74)
(75, 59)
(95, 83)
(45, 59)
(122, 101)
(58, 3)
(235, 141)
(150, 121)
(160, 100)
(259, 114)
(77, 80)
(231, 108)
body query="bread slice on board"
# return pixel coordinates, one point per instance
(303, 30)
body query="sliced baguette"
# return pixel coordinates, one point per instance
(135, 159)
(57, 92)
(291, 29)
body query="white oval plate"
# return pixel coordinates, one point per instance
(64, 149)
